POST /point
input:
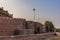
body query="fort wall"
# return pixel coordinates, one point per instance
(12, 22)
(27, 30)
(8, 25)
(35, 26)
(39, 28)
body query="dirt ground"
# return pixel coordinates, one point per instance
(56, 37)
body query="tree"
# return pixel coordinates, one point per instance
(49, 26)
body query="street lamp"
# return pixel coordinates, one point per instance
(34, 13)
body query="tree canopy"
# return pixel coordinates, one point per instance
(49, 26)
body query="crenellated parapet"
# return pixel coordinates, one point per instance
(6, 20)
(12, 23)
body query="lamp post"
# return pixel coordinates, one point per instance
(34, 13)
(34, 18)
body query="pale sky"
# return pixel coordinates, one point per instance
(45, 10)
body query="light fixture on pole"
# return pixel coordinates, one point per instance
(34, 13)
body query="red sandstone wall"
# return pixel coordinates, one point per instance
(6, 32)
(8, 25)
(12, 22)
(26, 31)
(30, 25)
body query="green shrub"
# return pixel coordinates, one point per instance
(58, 30)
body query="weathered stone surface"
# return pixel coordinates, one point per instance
(29, 37)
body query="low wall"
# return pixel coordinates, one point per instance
(28, 37)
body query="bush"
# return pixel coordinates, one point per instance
(58, 30)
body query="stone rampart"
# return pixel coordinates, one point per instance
(8, 25)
